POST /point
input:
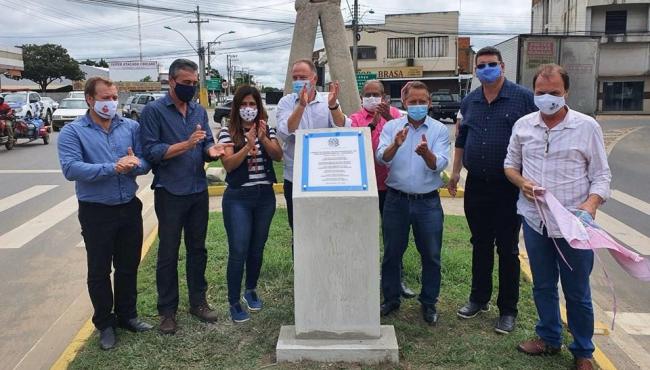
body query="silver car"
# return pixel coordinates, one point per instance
(143, 99)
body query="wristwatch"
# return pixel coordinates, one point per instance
(334, 107)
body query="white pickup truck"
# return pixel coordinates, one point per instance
(27, 104)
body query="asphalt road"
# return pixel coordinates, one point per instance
(42, 263)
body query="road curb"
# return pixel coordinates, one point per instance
(82, 336)
(600, 358)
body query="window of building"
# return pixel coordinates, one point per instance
(365, 52)
(623, 96)
(616, 21)
(431, 47)
(403, 47)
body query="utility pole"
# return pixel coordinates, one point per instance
(139, 30)
(203, 93)
(355, 38)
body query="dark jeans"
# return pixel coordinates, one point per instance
(187, 214)
(426, 218)
(547, 265)
(382, 200)
(113, 235)
(491, 210)
(247, 215)
(288, 197)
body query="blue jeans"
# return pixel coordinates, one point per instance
(546, 264)
(247, 215)
(426, 218)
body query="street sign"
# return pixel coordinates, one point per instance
(363, 77)
(224, 84)
(213, 84)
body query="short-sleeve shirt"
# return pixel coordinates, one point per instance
(257, 174)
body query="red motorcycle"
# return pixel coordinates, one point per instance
(31, 129)
(6, 132)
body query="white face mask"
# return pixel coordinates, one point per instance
(248, 114)
(370, 103)
(549, 104)
(106, 108)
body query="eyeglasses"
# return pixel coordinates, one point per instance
(483, 65)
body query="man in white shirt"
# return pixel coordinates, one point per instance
(560, 151)
(305, 109)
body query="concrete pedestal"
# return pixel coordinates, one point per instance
(366, 351)
(336, 271)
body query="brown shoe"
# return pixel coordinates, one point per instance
(168, 324)
(537, 347)
(583, 363)
(204, 313)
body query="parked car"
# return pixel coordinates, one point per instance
(76, 95)
(126, 107)
(27, 104)
(53, 103)
(444, 105)
(143, 99)
(69, 110)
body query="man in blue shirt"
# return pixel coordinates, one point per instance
(101, 153)
(177, 141)
(416, 149)
(490, 199)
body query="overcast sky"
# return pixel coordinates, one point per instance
(106, 31)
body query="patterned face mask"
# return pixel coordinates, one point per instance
(248, 114)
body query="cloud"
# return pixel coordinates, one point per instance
(103, 31)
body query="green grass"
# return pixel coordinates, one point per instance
(452, 344)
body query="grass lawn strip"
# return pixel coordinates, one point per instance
(452, 344)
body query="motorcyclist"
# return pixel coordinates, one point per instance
(7, 114)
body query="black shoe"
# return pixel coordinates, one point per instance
(505, 324)
(107, 338)
(429, 314)
(406, 291)
(388, 307)
(472, 309)
(135, 325)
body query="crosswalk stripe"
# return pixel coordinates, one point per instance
(631, 201)
(23, 196)
(28, 231)
(634, 323)
(624, 233)
(19, 172)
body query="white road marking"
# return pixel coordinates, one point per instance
(23, 196)
(28, 231)
(18, 172)
(631, 201)
(634, 323)
(624, 233)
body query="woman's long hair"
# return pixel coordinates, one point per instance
(236, 128)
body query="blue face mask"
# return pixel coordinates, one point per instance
(488, 74)
(299, 84)
(418, 112)
(185, 92)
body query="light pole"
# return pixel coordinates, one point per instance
(215, 42)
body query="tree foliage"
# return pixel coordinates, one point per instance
(49, 62)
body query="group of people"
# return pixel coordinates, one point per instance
(514, 144)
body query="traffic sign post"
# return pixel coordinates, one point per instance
(214, 84)
(362, 78)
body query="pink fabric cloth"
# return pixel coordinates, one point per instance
(580, 236)
(363, 118)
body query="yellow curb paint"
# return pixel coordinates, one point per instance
(87, 329)
(602, 361)
(218, 190)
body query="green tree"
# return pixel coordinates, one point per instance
(102, 63)
(146, 79)
(48, 62)
(89, 62)
(267, 89)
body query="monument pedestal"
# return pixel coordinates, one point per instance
(366, 351)
(336, 253)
